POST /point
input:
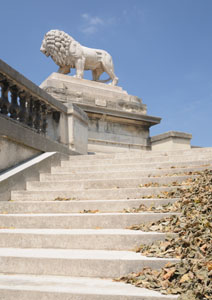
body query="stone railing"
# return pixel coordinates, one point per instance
(31, 117)
(20, 100)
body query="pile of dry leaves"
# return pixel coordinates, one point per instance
(192, 242)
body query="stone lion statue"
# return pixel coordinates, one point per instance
(68, 53)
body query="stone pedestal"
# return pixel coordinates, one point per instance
(117, 120)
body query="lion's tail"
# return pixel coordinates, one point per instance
(104, 80)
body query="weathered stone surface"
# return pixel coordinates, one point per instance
(12, 153)
(82, 91)
(117, 120)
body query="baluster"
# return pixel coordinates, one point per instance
(37, 122)
(2, 79)
(30, 113)
(14, 108)
(23, 107)
(43, 118)
(5, 104)
(56, 116)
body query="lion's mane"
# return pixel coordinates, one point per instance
(57, 43)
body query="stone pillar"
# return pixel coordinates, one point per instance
(73, 129)
(70, 129)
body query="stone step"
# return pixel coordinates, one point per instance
(133, 160)
(96, 239)
(103, 183)
(77, 206)
(142, 154)
(118, 174)
(25, 287)
(91, 194)
(66, 262)
(78, 220)
(136, 166)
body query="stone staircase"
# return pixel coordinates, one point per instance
(65, 236)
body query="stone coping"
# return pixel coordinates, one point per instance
(173, 134)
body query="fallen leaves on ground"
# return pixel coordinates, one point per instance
(192, 242)
(89, 211)
(169, 207)
(64, 199)
(174, 183)
(192, 279)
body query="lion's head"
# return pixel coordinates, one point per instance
(56, 44)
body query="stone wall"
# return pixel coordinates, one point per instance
(12, 153)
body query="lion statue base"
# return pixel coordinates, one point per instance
(68, 53)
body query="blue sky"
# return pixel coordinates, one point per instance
(162, 51)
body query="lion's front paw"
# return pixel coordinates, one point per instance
(78, 76)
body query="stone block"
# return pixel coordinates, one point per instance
(171, 140)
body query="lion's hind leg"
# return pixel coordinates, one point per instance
(112, 75)
(96, 74)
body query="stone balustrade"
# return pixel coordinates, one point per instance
(31, 117)
(20, 103)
